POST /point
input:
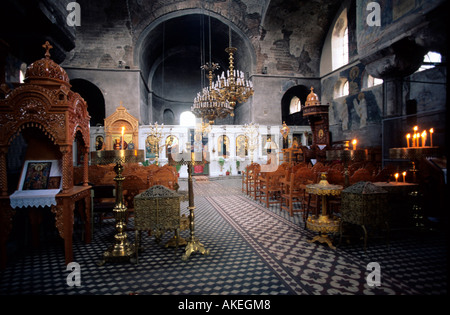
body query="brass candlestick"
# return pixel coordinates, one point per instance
(193, 243)
(346, 155)
(121, 250)
(324, 224)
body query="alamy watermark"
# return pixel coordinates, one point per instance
(374, 277)
(374, 17)
(74, 16)
(74, 277)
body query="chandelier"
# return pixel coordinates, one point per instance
(206, 106)
(233, 87)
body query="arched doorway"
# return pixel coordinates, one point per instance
(94, 99)
(173, 47)
(292, 104)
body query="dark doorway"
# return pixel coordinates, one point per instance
(94, 99)
(295, 93)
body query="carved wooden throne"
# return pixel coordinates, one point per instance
(45, 101)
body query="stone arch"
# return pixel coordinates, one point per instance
(93, 96)
(301, 92)
(170, 51)
(168, 117)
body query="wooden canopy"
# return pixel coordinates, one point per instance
(45, 101)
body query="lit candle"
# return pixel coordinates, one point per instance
(415, 138)
(408, 136)
(431, 136)
(424, 138)
(354, 144)
(396, 177)
(123, 130)
(404, 175)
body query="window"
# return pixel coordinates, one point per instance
(22, 71)
(21, 76)
(295, 105)
(341, 88)
(223, 146)
(371, 81)
(241, 146)
(344, 90)
(339, 42)
(430, 60)
(187, 119)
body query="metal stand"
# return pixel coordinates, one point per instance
(121, 250)
(324, 224)
(193, 244)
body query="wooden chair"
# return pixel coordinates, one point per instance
(354, 166)
(293, 193)
(310, 203)
(103, 201)
(165, 176)
(270, 187)
(248, 176)
(385, 174)
(132, 186)
(335, 177)
(253, 173)
(361, 175)
(317, 169)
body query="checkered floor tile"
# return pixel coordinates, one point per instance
(254, 250)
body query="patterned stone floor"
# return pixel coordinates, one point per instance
(254, 250)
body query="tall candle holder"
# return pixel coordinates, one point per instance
(346, 155)
(121, 250)
(156, 133)
(193, 243)
(324, 224)
(251, 132)
(415, 153)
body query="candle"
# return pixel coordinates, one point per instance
(414, 140)
(424, 138)
(404, 175)
(123, 130)
(354, 144)
(415, 137)
(431, 136)
(396, 177)
(408, 136)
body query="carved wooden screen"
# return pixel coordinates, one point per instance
(113, 128)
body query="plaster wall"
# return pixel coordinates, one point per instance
(116, 86)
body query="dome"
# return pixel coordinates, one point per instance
(46, 69)
(312, 98)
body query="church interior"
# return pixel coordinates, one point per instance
(223, 147)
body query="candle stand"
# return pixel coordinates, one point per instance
(324, 224)
(415, 155)
(346, 155)
(121, 250)
(193, 243)
(251, 132)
